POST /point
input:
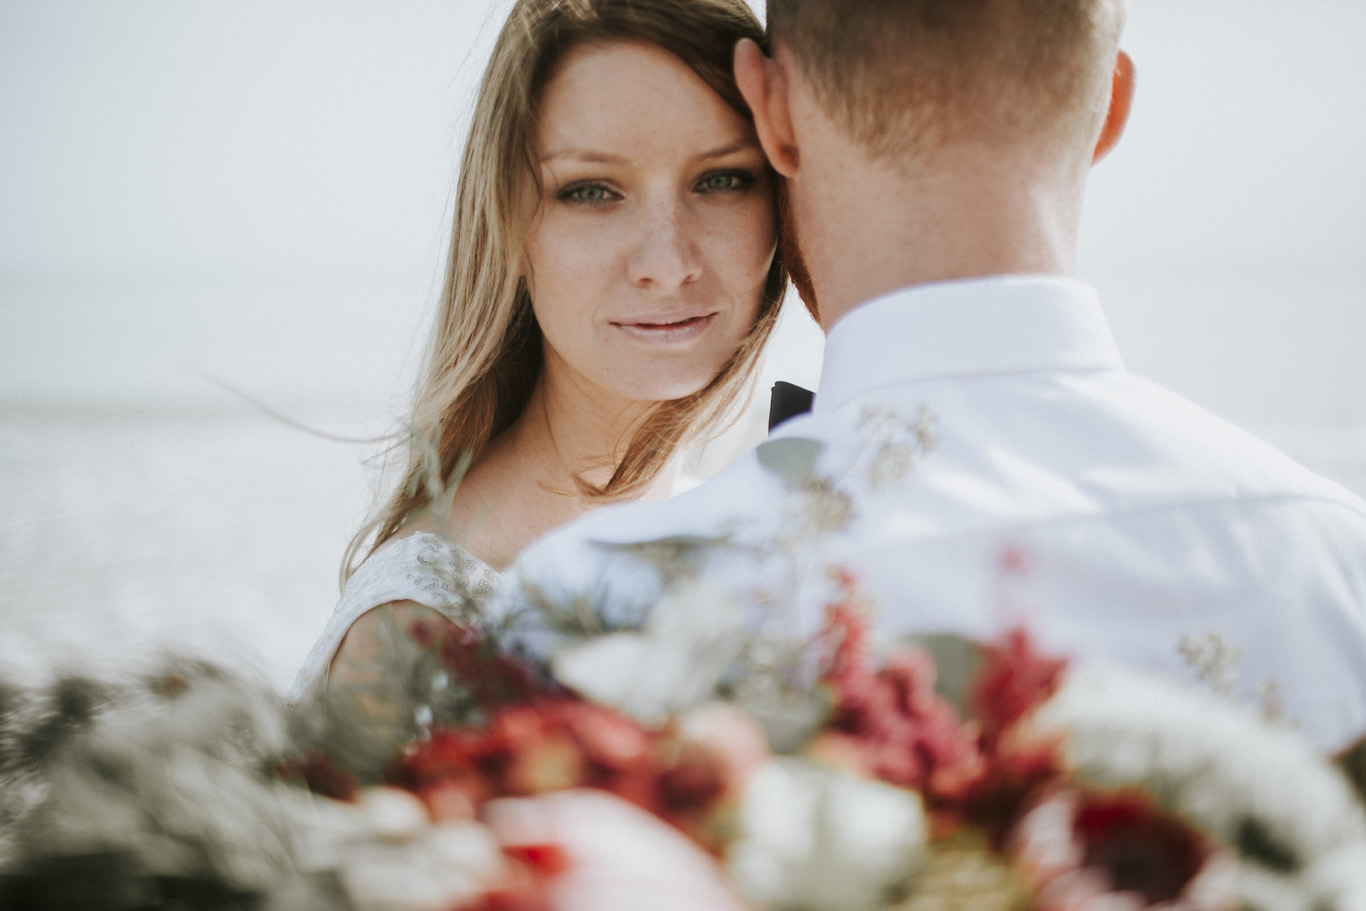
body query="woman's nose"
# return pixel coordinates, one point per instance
(664, 251)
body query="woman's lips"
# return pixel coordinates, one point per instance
(671, 332)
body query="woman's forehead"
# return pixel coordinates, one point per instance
(609, 97)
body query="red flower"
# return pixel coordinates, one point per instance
(492, 676)
(1079, 845)
(1014, 678)
(695, 780)
(546, 859)
(1143, 849)
(1016, 772)
(448, 766)
(890, 720)
(554, 745)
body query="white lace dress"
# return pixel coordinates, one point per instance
(423, 568)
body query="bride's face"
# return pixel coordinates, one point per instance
(655, 228)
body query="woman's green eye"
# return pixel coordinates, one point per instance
(725, 182)
(585, 192)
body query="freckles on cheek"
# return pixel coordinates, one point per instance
(743, 250)
(763, 230)
(576, 251)
(763, 261)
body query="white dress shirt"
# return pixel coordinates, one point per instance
(982, 459)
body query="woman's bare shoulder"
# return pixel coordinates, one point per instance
(370, 639)
(365, 707)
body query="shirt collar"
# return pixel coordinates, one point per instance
(980, 326)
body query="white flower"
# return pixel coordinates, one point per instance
(817, 838)
(1262, 789)
(675, 663)
(393, 814)
(1339, 878)
(394, 859)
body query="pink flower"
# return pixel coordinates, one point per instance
(590, 851)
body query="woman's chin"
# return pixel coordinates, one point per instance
(658, 391)
(667, 379)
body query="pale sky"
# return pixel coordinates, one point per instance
(259, 191)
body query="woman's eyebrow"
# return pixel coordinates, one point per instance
(730, 148)
(593, 156)
(588, 155)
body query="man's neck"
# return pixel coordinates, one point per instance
(866, 230)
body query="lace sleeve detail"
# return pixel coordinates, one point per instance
(423, 568)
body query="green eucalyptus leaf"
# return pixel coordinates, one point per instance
(790, 458)
(677, 542)
(1353, 762)
(674, 557)
(956, 659)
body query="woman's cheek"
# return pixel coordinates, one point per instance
(766, 236)
(570, 260)
(746, 244)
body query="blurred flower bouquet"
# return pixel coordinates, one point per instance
(686, 764)
(940, 774)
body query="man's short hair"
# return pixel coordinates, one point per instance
(902, 75)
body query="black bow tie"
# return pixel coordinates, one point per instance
(787, 401)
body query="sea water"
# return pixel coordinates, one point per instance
(123, 534)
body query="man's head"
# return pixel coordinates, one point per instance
(979, 118)
(903, 76)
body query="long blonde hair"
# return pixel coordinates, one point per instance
(485, 352)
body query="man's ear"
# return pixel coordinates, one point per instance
(1121, 100)
(763, 84)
